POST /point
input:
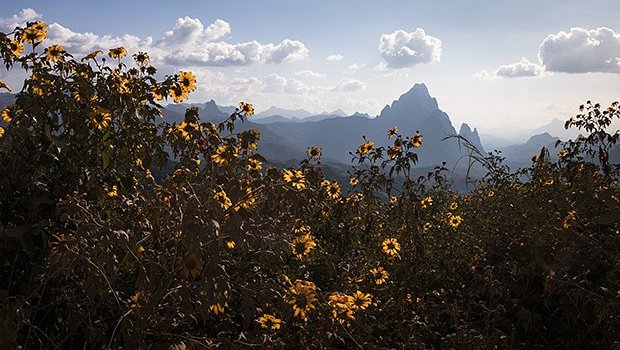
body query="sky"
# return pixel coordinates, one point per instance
(501, 66)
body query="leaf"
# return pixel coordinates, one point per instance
(105, 158)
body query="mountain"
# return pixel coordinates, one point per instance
(286, 113)
(471, 136)
(556, 128)
(521, 154)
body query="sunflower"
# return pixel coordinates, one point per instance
(217, 308)
(392, 132)
(112, 192)
(187, 129)
(223, 200)
(490, 194)
(249, 139)
(157, 92)
(302, 295)
(16, 48)
(1, 131)
(248, 200)
(295, 178)
(35, 33)
(254, 165)
(54, 53)
(393, 200)
(117, 52)
(191, 265)
(416, 140)
(427, 201)
(314, 152)
(394, 151)
(187, 80)
(353, 181)
(142, 58)
(453, 206)
(231, 244)
(391, 247)
(302, 245)
(342, 306)
(333, 190)
(178, 94)
(92, 55)
(224, 154)
(427, 226)
(100, 118)
(455, 220)
(246, 108)
(563, 153)
(270, 322)
(379, 275)
(366, 148)
(9, 113)
(361, 300)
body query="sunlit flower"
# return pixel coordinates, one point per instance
(254, 165)
(54, 53)
(9, 113)
(391, 247)
(191, 265)
(302, 245)
(270, 322)
(300, 228)
(568, 219)
(224, 154)
(563, 153)
(231, 244)
(455, 220)
(157, 92)
(366, 148)
(1, 131)
(188, 129)
(342, 306)
(92, 55)
(178, 94)
(217, 308)
(379, 275)
(353, 181)
(246, 108)
(187, 80)
(361, 300)
(117, 52)
(142, 58)
(392, 132)
(453, 206)
(490, 194)
(302, 295)
(16, 48)
(35, 33)
(393, 200)
(333, 190)
(136, 299)
(223, 200)
(416, 140)
(427, 226)
(112, 192)
(100, 118)
(426, 202)
(295, 178)
(314, 152)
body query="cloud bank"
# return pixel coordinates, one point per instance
(402, 49)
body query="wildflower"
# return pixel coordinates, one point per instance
(342, 307)
(224, 154)
(157, 92)
(427, 201)
(549, 182)
(117, 52)
(246, 108)
(568, 219)
(300, 228)
(8, 113)
(254, 165)
(333, 190)
(302, 245)
(361, 300)
(416, 140)
(453, 206)
(490, 194)
(391, 247)
(217, 308)
(35, 33)
(231, 244)
(113, 192)
(455, 221)
(187, 80)
(563, 153)
(223, 200)
(366, 148)
(187, 129)
(270, 322)
(92, 55)
(16, 48)
(142, 58)
(295, 178)
(54, 53)
(393, 200)
(302, 295)
(353, 181)
(392, 132)
(135, 299)
(100, 118)
(191, 265)
(249, 139)
(379, 275)
(394, 151)
(427, 226)
(1, 131)
(314, 152)
(249, 200)
(178, 94)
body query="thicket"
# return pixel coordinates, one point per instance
(228, 252)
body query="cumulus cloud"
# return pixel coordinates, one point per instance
(350, 85)
(356, 66)
(20, 19)
(309, 74)
(335, 57)
(275, 83)
(581, 51)
(402, 49)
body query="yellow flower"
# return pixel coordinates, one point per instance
(35, 33)
(136, 298)
(187, 129)
(224, 154)
(394, 151)
(455, 221)
(568, 219)
(113, 192)
(142, 58)
(270, 322)
(223, 200)
(300, 228)
(230, 244)
(353, 181)
(178, 94)
(100, 118)
(217, 308)
(157, 92)
(187, 80)
(314, 152)
(366, 148)
(92, 55)
(342, 306)
(1, 131)
(416, 140)
(302, 245)
(392, 132)
(391, 247)
(16, 47)
(295, 178)
(428, 201)
(249, 200)
(117, 52)
(453, 206)
(427, 226)
(491, 194)
(190, 266)
(302, 295)
(254, 165)
(379, 275)
(54, 53)
(393, 200)
(549, 182)
(361, 300)
(333, 190)
(563, 153)
(246, 108)
(8, 113)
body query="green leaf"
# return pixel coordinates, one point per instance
(105, 157)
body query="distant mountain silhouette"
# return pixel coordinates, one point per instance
(286, 113)
(521, 154)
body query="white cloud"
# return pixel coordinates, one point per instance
(309, 74)
(402, 49)
(523, 68)
(581, 51)
(275, 83)
(356, 66)
(20, 19)
(350, 85)
(335, 57)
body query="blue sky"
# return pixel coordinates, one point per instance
(491, 63)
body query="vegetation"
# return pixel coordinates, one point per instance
(225, 251)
